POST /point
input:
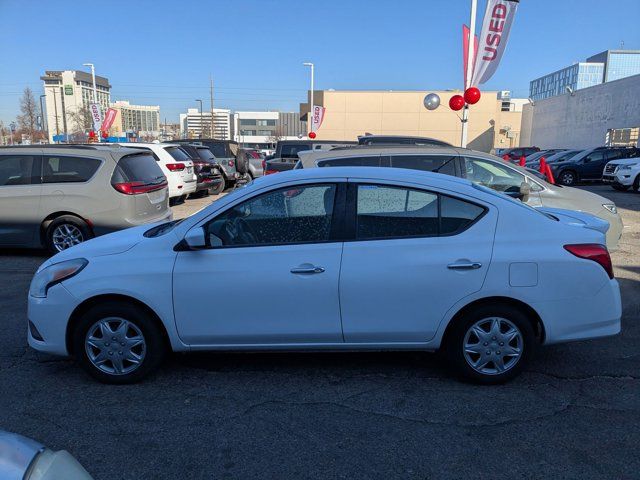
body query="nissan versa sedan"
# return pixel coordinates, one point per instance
(358, 258)
(480, 168)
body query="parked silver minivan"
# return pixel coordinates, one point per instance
(480, 168)
(56, 196)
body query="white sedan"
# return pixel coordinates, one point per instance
(349, 259)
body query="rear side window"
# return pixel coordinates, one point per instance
(205, 154)
(61, 169)
(17, 170)
(428, 163)
(351, 162)
(291, 150)
(138, 168)
(397, 212)
(178, 154)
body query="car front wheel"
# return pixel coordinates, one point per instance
(118, 343)
(620, 188)
(490, 344)
(65, 232)
(567, 178)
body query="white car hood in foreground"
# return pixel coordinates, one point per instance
(579, 219)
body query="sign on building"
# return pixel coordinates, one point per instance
(68, 89)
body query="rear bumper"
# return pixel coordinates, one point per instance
(593, 317)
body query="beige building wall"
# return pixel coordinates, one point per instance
(353, 113)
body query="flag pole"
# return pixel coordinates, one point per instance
(470, 58)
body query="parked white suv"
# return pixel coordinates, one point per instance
(176, 166)
(622, 174)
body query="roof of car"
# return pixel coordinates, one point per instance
(112, 148)
(308, 157)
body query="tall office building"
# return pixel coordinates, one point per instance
(136, 118)
(68, 95)
(601, 68)
(194, 124)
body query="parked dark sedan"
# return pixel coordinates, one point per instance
(589, 164)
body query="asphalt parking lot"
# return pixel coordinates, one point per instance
(575, 413)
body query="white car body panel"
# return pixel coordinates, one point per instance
(521, 251)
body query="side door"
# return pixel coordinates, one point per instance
(592, 165)
(20, 193)
(270, 273)
(414, 253)
(500, 177)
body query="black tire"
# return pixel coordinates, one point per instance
(242, 163)
(76, 227)
(155, 347)
(454, 342)
(567, 178)
(636, 183)
(199, 194)
(620, 188)
(220, 187)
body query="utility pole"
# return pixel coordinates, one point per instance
(55, 108)
(42, 122)
(470, 57)
(213, 135)
(201, 122)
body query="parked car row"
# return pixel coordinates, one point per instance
(57, 196)
(570, 166)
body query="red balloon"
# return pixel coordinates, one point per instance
(312, 135)
(92, 134)
(456, 102)
(472, 95)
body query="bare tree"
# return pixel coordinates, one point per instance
(80, 121)
(28, 121)
(277, 135)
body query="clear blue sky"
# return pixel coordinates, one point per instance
(161, 52)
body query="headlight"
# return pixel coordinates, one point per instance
(611, 207)
(49, 276)
(628, 167)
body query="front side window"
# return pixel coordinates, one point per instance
(286, 216)
(493, 175)
(428, 163)
(61, 169)
(16, 170)
(594, 157)
(350, 162)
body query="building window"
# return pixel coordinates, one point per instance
(247, 121)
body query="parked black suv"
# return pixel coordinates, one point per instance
(208, 172)
(589, 164)
(225, 152)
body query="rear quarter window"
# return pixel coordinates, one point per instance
(178, 154)
(64, 169)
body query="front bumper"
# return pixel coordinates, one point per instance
(50, 316)
(619, 179)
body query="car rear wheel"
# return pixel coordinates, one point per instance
(118, 343)
(490, 344)
(567, 178)
(65, 232)
(218, 189)
(636, 183)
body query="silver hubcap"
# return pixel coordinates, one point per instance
(65, 236)
(567, 178)
(115, 346)
(492, 346)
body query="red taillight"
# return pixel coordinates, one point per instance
(175, 167)
(231, 163)
(136, 188)
(593, 251)
(269, 172)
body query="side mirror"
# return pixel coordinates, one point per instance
(194, 239)
(525, 191)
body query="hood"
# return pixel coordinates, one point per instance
(625, 161)
(577, 219)
(111, 244)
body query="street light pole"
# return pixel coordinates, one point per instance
(309, 64)
(201, 122)
(470, 57)
(93, 76)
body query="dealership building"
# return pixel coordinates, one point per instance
(261, 130)
(494, 122)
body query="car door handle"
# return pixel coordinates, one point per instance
(465, 266)
(307, 270)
